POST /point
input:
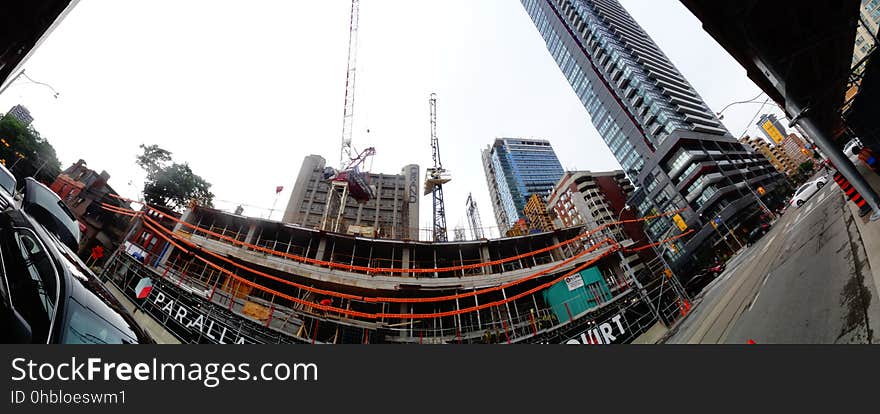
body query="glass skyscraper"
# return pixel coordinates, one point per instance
(515, 169)
(668, 141)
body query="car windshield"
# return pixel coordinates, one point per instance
(7, 181)
(87, 327)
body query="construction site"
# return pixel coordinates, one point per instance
(346, 265)
(230, 279)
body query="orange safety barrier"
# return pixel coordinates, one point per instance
(369, 269)
(648, 246)
(156, 228)
(381, 315)
(496, 303)
(160, 231)
(119, 210)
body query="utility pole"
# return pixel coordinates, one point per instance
(436, 176)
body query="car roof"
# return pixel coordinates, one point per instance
(56, 216)
(5, 171)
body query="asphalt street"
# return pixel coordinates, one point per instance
(807, 281)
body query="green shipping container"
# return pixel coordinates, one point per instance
(591, 293)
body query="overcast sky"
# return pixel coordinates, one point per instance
(244, 90)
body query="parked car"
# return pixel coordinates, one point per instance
(853, 147)
(756, 233)
(48, 209)
(7, 188)
(807, 190)
(47, 295)
(702, 278)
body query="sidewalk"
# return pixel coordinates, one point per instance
(869, 230)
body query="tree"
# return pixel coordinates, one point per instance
(804, 170)
(169, 184)
(806, 167)
(25, 148)
(153, 159)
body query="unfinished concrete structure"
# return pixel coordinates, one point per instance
(393, 213)
(266, 281)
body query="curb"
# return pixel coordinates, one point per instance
(868, 243)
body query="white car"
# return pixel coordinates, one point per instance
(807, 190)
(852, 147)
(7, 187)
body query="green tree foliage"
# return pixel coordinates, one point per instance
(806, 167)
(169, 184)
(28, 151)
(804, 171)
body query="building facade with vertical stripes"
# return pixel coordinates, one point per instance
(393, 213)
(517, 168)
(666, 139)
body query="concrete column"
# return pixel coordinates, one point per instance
(404, 260)
(186, 217)
(404, 308)
(252, 230)
(556, 254)
(319, 252)
(840, 160)
(484, 257)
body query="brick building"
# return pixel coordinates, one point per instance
(83, 190)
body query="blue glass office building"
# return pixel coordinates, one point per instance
(668, 141)
(515, 169)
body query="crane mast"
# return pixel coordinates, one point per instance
(348, 109)
(436, 176)
(473, 216)
(348, 180)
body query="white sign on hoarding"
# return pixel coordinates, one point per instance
(574, 281)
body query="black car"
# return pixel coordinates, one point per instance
(48, 209)
(757, 233)
(47, 295)
(703, 278)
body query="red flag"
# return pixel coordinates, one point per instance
(279, 189)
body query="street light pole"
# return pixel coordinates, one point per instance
(8, 84)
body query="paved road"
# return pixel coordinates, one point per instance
(806, 281)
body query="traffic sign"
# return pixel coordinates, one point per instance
(679, 222)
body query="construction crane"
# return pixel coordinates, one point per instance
(473, 216)
(348, 180)
(436, 176)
